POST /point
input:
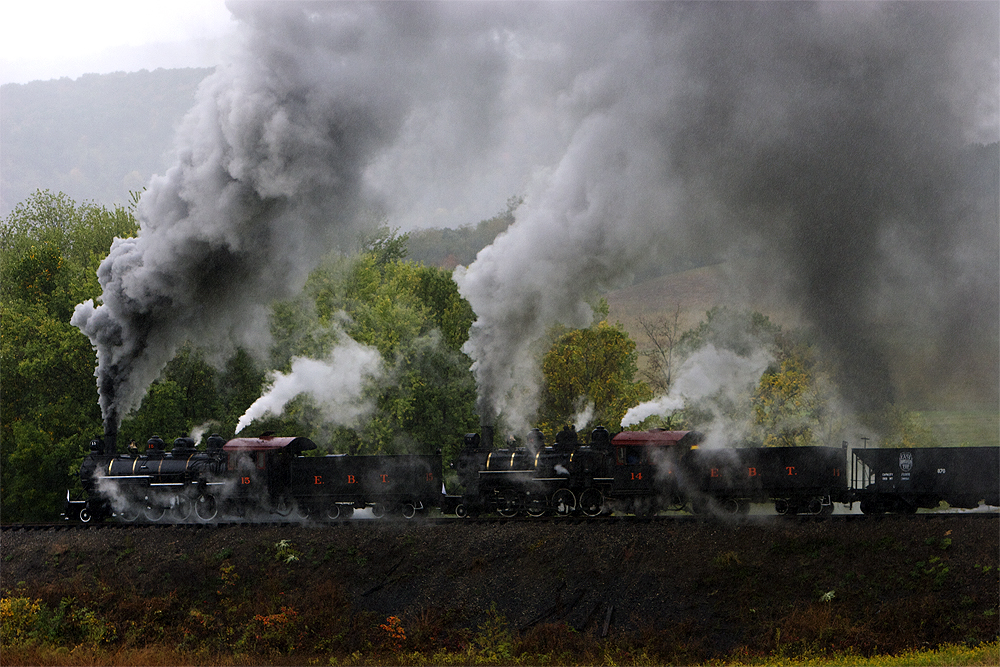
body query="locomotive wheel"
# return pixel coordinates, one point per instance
(378, 510)
(130, 513)
(815, 506)
(85, 515)
(508, 505)
(461, 511)
(591, 502)
(153, 511)
(782, 507)
(536, 507)
(182, 508)
(408, 510)
(564, 502)
(333, 512)
(206, 507)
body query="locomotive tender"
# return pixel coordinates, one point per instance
(639, 472)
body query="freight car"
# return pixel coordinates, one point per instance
(902, 480)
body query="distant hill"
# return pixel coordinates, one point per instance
(448, 248)
(94, 138)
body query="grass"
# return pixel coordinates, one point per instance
(759, 595)
(954, 428)
(950, 655)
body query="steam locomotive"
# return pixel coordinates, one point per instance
(640, 473)
(643, 472)
(249, 478)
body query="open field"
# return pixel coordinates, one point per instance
(957, 416)
(963, 427)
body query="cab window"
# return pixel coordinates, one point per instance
(630, 456)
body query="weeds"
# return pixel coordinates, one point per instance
(394, 631)
(285, 552)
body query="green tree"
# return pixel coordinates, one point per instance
(50, 248)
(416, 319)
(589, 367)
(185, 396)
(789, 405)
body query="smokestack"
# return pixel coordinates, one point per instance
(487, 441)
(110, 436)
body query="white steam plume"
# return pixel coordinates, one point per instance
(336, 383)
(708, 372)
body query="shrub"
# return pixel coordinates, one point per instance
(18, 620)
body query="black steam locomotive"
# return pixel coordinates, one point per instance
(250, 478)
(640, 472)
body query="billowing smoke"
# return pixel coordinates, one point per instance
(336, 384)
(835, 148)
(269, 177)
(832, 146)
(584, 416)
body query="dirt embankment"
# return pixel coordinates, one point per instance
(875, 584)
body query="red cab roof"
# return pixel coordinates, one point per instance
(267, 443)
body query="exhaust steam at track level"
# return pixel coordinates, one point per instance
(848, 151)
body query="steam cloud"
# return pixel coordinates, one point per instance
(705, 373)
(837, 147)
(336, 384)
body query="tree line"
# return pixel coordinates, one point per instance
(411, 313)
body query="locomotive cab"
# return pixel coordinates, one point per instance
(646, 468)
(261, 468)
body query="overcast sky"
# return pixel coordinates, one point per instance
(50, 39)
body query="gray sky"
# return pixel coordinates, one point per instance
(50, 39)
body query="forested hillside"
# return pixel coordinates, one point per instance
(94, 138)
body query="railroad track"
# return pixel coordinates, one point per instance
(490, 520)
